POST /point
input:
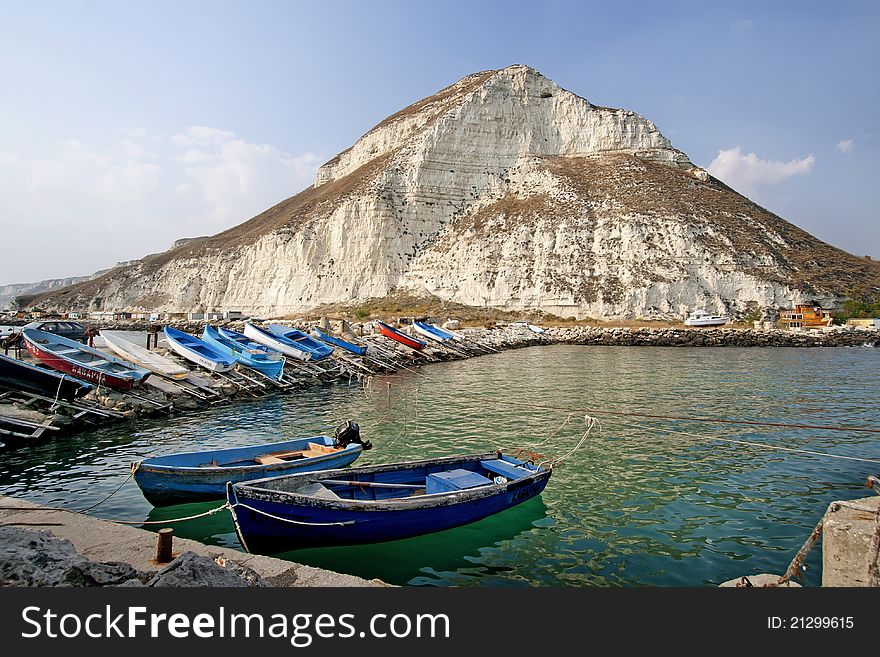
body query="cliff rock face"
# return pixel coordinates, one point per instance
(9, 292)
(502, 190)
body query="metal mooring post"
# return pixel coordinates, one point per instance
(165, 543)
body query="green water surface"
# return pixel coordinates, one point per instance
(635, 505)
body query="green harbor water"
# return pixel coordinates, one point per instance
(635, 505)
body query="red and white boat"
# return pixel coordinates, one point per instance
(81, 361)
(398, 336)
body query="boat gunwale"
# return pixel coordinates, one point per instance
(222, 361)
(252, 490)
(209, 469)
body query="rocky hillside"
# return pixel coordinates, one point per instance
(9, 292)
(503, 190)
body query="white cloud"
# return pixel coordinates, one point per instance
(845, 146)
(88, 206)
(746, 172)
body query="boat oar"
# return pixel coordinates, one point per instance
(369, 484)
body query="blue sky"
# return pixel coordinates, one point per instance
(127, 125)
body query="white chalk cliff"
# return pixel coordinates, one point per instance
(502, 190)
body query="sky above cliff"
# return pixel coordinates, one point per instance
(125, 126)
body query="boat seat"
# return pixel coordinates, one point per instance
(69, 350)
(509, 470)
(318, 490)
(313, 449)
(268, 459)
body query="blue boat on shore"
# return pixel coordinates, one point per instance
(198, 351)
(249, 353)
(199, 476)
(379, 503)
(304, 341)
(433, 332)
(357, 349)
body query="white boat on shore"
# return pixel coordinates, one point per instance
(702, 318)
(143, 357)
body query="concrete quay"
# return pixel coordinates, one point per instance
(104, 541)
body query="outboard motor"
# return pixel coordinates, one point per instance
(349, 432)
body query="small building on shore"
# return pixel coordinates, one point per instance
(864, 322)
(805, 316)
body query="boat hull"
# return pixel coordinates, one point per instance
(163, 483)
(356, 349)
(270, 522)
(153, 362)
(275, 342)
(18, 375)
(84, 372)
(270, 367)
(206, 358)
(402, 338)
(316, 348)
(432, 332)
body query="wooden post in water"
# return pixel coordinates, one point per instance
(165, 543)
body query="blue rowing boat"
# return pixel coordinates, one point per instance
(379, 503)
(433, 332)
(302, 340)
(198, 351)
(252, 354)
(357, 349)
(199, 476)
(287, 347)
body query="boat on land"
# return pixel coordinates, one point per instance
(399, 336)
(143, 357)
(379, 503)
(278, 343)
(81, 361)
(531, 327)
(433, 332)
(357, 349)
(199, 476)
(306, 342)
(198, 351)
(702, 318)
(252, 354)
(18, 375)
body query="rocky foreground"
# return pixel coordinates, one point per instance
(37, 558)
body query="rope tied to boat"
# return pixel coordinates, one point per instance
(289, 520)
(57, 393)
(591, 423)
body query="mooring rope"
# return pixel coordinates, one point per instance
(288, 520)
(57, 393)
(685, 418)
(116, 490)
(590, 422)
(120, 522)
(752, 443)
